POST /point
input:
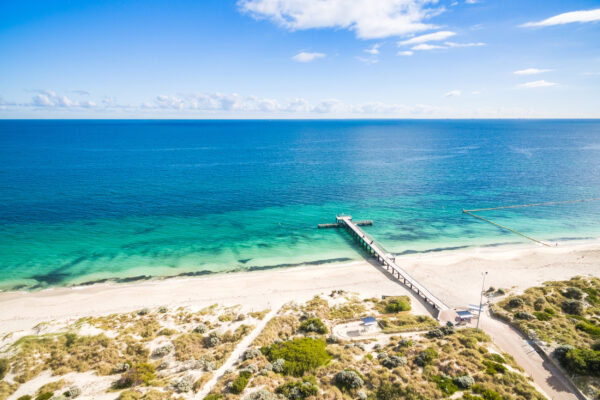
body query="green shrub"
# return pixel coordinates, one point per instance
(515, 302)
(26, 397)
(445, 384)
(140, 374)
(464, 381)
(588, 328)
(313, 325)
(301, 355)
(492, 368)
(486, 394)
(240, 383)
(549, 310)
(213, 396)
(592, 296)
(542, 316)
(539, 303)
(426, 357)
(298, 390)
(581, 361)
(397, 305)
(44, 396)
(4, 367)
(496, 358)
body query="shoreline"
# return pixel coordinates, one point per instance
(500, 246)
(452, 275)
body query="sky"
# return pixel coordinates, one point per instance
(300, 59)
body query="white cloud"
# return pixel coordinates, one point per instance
(453, 93)
(454, 44)
(304, 56)
(367, 60)
(405, 53)
(430, 37)
(531, 71)
(373, 50)
(568, 18)
(49, 99)
(425, 46)
(471, 1)
(537, 84)
(369, 19)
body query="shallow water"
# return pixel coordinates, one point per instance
(85, 201)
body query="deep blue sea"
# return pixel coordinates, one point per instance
(89, 201)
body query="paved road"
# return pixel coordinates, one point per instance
(236, 354)
(546, 376)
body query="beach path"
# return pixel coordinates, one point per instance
(545, 375)
(236, 354)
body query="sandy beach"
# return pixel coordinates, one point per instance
(454, 276)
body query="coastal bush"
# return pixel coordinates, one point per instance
(25, 397)
(542, 316)
(72, 392)
(301, 355)
(426, 357)
(394, 361)
(140, 374)
(44, 396)
(212, 340)
(299, 390)
(464, 381)
(184, 385)
(144, 311)
(395, 391)
(240, 383)
(493, 368)
(162, 351)
(277, 365)
(524, 315)
(313, 325)
(445, 384)
(403, 343)
(214, 396)
(202, 328)
(581, 361)
(394, 305)
(251, 353)
(486, 394)
(130, 395)
(261, 395)
(573, 293)
(589, 328)
(4, 367)
(348, 379)
(496, 358)
(515, 302)
(574, 307)
(539, 303)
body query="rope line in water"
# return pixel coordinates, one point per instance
(470, 212)
(508, 229)
(535, 204)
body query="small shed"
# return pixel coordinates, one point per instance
(368, 323)
(464, 316)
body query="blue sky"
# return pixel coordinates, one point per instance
(299, 59)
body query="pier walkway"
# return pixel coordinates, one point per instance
(388, 262)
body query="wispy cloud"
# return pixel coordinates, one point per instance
(430, 37)
(471, 44)
(405, 53)
(453, 93)
(531, 71)
(537, 84)
(367, 18)
(373, 50)
(426, 46)
(568, 18)
(305, 56)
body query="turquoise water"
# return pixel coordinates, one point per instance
(89, 201)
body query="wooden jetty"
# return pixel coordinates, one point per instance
(385, 259)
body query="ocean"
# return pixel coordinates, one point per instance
(85, 201)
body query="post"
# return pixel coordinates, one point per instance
(481, 301)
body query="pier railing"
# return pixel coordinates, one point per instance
(385, 259)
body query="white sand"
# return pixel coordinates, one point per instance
(454, 276)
